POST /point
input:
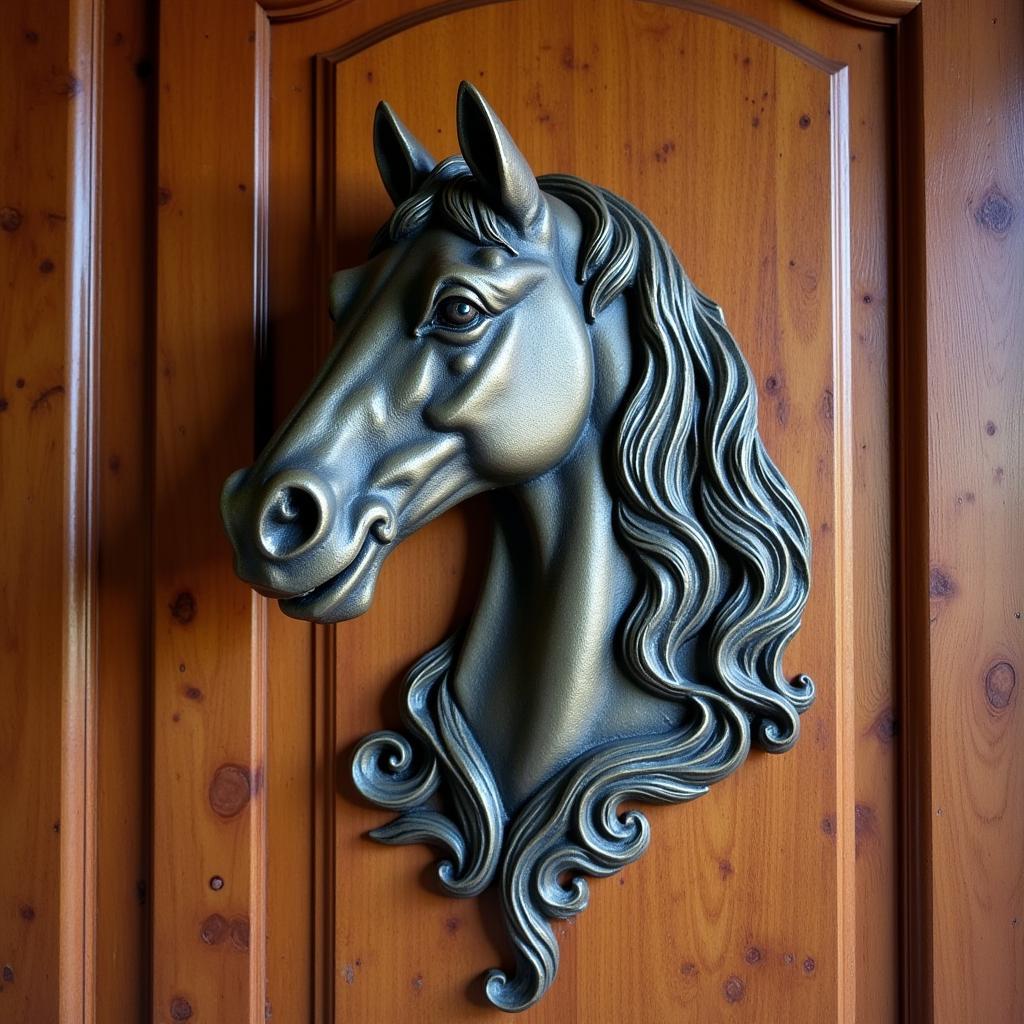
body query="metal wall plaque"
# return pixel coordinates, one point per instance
(537, 338)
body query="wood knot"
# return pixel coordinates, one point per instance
(10, 218)
(183, 607)
(230, 790)
(734, 989)
(239, 931)
(886, 726)
(181, 1008)
(1000, 682)
(69, 85)
(940, 583)
(213, 929)
(994, 212)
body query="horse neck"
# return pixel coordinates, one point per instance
(537, 677)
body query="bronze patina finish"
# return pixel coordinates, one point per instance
(538, 338)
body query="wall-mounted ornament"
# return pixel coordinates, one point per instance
(536, 337)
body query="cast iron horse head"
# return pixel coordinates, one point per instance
(538, 338)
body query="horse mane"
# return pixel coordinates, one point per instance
(720, 548)
(719, 542)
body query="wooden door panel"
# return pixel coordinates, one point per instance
(177, 828)
(696, 144)
(738, 145)
(735, 137)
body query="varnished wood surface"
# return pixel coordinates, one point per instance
(209, 653)
(37, 91)
(124, 472)
(129, 784)
(973, 161)
(553, 91)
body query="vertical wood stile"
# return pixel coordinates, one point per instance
(122, 746)
(209, 633)
(258, 991)
(843, 516)
(78, 755)
(324, 740)
(325, 802)
(971, 603)
(911, 388)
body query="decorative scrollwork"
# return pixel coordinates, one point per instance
(388, 772)
(573, 826)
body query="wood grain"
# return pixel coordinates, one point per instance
(123, 737)
(372, 884)
(209, 657)
(973, 163)
(47, 327)
(78, 750)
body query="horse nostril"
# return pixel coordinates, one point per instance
(291, 519)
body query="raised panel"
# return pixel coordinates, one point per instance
(734, 140)
(737, 138)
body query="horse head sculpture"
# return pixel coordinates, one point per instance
(537, 338)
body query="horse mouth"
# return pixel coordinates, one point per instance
(329, 601)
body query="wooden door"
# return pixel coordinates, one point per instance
(783, 150)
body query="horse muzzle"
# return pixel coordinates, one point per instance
(291, 543)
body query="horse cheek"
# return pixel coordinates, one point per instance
(523, 405)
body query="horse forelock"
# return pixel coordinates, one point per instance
(718, 540)
(449, 197)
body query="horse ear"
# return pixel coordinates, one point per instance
(401, 159)
(501, 170)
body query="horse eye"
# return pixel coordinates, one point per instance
(456, 312)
